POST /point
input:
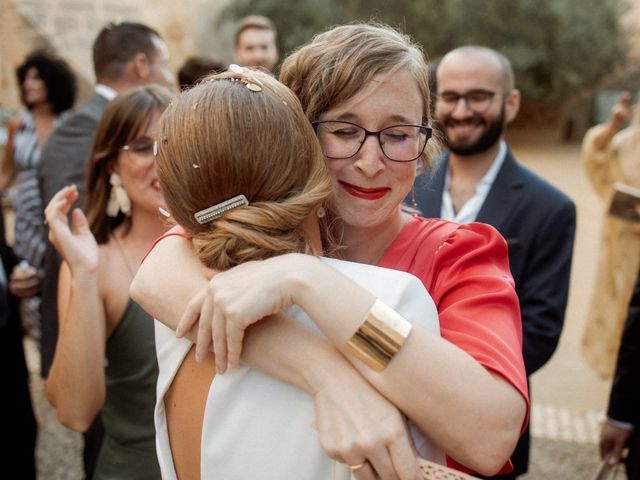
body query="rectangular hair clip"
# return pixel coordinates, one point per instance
(216, 211)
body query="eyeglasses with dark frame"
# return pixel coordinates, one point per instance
(477, 100)
(399, 143)
(140, 150)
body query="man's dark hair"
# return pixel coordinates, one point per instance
(196, 67)
(117, 44)
(56, 75)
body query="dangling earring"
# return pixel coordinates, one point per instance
(118, 199)
(320, 212)
(413, 198)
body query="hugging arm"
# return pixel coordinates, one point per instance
(431, 380)
(353, 420)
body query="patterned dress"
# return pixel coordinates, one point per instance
(30, 231)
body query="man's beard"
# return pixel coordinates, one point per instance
(491, 134)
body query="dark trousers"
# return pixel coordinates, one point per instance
(92, 444)
(633, 457)
(18, 443)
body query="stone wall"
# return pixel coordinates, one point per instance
(70, 26)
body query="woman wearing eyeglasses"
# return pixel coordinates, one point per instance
(105, 355)
(365, 90)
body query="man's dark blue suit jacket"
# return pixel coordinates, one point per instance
(538, 222)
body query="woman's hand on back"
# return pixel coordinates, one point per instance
(76, 244)
(358, 426)
(247, 293)
(232, 301)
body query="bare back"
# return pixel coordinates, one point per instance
(185, 403)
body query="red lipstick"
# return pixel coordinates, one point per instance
(364, 193)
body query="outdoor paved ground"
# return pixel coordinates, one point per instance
(568, 398)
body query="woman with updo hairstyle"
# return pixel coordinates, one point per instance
(283, 159)
(105, 359)
(243, 135)
(364, 89)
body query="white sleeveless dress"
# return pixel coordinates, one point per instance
(256, 427)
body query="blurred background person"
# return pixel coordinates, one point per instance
(623, 413)
(610, 154)
(255, 42)
(105, 356)
(125, 55)
(196, 67)
(15, 402)
(47, 91)
(480, 180)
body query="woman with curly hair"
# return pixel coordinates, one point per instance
(47, 90)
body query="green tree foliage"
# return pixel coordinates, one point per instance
(556, 46)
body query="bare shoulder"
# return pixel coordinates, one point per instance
(170, 251)
(113, 272)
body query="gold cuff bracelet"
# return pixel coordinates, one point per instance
(380, 336)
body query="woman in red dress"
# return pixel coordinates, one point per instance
(365, 90)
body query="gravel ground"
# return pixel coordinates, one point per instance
(552, 459)
(59, 450)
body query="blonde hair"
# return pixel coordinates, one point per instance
(338, 63)
(221, 139)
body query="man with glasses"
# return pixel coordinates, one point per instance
(479, 180)
(125, 55)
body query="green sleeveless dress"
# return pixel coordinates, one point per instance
(131, 371)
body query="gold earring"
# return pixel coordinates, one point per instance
(413, 198)
(118, 199)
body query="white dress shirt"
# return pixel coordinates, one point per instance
(469, 211)
(106, 92)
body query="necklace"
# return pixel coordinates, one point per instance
(124, 257)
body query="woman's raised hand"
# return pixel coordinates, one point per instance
(76, 244)
(233, 301)
(622, 111)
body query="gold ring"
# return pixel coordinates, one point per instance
(357, 466)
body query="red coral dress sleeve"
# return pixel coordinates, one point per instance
(465, 268)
